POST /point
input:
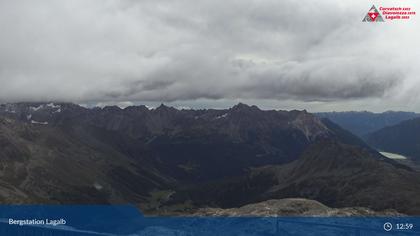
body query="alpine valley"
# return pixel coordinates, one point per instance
(170, 161)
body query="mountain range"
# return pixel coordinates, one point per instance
(402, 138)
(170, 160)
(364, 122)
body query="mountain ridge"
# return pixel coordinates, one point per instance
(161, 158)
(364, 122)
(401, 138)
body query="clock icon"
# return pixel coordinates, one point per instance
(387, 226)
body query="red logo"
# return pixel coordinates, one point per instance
(373, 15)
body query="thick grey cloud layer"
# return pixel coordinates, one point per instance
(84, 51)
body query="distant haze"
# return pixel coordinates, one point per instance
(314, 55)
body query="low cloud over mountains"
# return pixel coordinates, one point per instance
(177, 51)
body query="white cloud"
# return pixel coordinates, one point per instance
(153, 51)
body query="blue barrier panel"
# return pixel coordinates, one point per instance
(127, 220)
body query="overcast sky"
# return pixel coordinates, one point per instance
(314, 55)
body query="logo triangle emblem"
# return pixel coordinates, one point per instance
(373, 15)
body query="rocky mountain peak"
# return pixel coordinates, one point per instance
(241, 107)
(112, 108)
(165, 108)
(141, 108)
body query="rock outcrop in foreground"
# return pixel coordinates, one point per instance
(292, 207)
